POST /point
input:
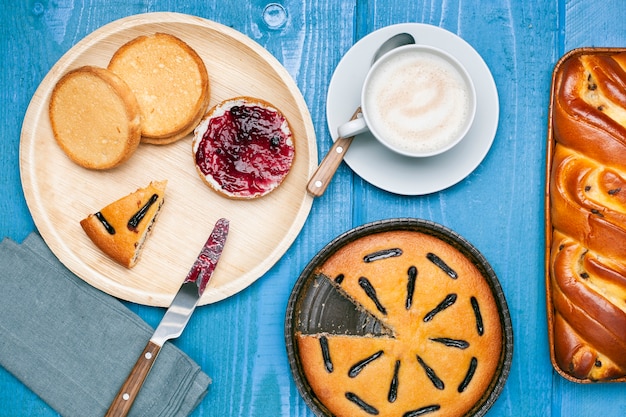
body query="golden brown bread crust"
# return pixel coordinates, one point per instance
(587, 212)
(170, 82)
(95, 118)
(433, 348)
(112, 230)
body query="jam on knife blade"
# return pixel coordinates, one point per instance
(206, 262)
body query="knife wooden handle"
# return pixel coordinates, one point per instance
(324, 173)
(327, 168)
(126, 396)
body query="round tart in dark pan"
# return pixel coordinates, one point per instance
(399, 317)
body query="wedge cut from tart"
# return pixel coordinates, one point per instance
(243, 148)
(122, 228)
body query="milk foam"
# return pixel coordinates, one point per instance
(417, 101)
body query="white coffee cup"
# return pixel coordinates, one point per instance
(416, 100)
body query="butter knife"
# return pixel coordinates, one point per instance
(175, 318)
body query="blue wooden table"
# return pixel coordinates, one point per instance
(239, 342)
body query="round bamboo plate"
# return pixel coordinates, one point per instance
(59, 193)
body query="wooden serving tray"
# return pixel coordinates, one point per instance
(59, 193)
(550, 151)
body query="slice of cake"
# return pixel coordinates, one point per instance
(445, 350)
(121, 229)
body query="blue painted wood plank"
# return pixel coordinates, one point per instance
(239, 342)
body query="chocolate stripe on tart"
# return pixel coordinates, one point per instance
(360, 365)
(410, 287)
(139, 216)
(110, 229)
(430, 373)
(422, 411)
(447, 302)
(370, 291)
(442, 265)
(454, 343)
(393, 387)
(469, 375)
(382, 254)
(362, 404)
(479, 318)
(328, 363)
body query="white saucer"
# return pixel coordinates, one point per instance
(393, 172)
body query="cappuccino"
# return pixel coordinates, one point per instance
(418, 102)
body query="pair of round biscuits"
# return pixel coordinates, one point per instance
(154, 90)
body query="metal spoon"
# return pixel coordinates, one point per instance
(327, 168)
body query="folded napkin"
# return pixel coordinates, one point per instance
(74, 345)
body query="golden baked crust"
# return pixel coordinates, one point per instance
(447, 341)
(586, 261)
(95, 118)
(170, 82)
(121, 228)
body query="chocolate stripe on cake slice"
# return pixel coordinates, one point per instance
(430, 373)
(422, 411)
(454, 343)
(139, 216)
(110, 229)
(370, 291)
(360, 365)
(410, 287)
(393, 387)
(479, 318)
(382, 254)
(328, 363)
(442, 265)
(362, 404)
(447, 302)
(326, 308)
(469, 375)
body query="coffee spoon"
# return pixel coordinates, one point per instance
(327, 168)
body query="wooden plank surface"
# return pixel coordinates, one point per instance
(239, 342)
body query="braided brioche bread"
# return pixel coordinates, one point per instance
(586, 217)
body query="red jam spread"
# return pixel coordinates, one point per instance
(247, 151)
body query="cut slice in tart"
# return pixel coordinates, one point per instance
(121, 228)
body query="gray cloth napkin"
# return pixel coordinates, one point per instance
(74, 345)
